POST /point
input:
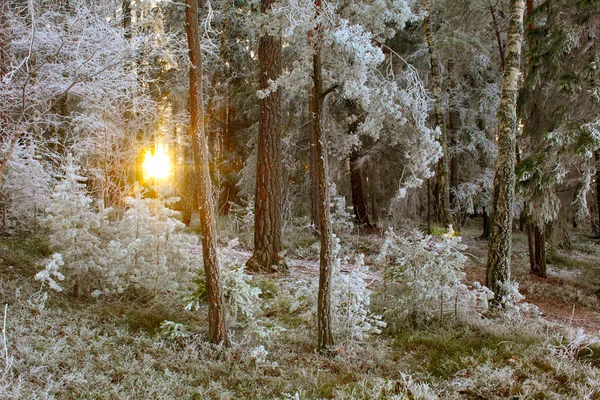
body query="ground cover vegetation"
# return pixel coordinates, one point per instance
(300, 199)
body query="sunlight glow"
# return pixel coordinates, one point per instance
(157, 165)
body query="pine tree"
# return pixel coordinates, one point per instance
(217, 328)
(267, 202)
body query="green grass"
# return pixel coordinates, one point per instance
(445, 351)
(23, 254)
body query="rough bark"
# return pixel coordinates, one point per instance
(324, 321)
(4, 39)
(314, 179)
(443, 187)
(267, 204)
(217, 328)
(499, 244)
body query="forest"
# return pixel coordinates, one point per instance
(300, 199)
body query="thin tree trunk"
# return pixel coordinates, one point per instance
(217, 328)
(4, 39)
(540, 253)
(531, 246)
(4, 65)
(127, 18)
(499, 244)
(498, 39)
(314, 176)
(267, 203)
(453, 125)
(443, 187)
(597, 157)
(324, 318)
(486, 225)
(358, 195)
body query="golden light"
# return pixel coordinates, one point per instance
(157, 165)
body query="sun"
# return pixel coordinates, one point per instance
(157, 165)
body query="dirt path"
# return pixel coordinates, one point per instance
(566, 296)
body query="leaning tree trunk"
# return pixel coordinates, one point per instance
(217, 328)
(443, 187)
(267, 203)
(499, 244)
(324, 328)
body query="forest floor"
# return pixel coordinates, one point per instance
(114, 348)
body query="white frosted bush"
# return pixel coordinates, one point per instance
(145, 248)
(242, 297)
(51, 272)
(74, 224)
(351, 299)
(148, 248)
(425, 275)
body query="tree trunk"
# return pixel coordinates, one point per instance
(324, 328)
(127, 19)
(443, 187)
(314, 177)
(453, 125)
(358, 195)
(487, 225)
(531, 246)
(267, 202)
(597, 157)
(499, 244)
(4, 39)
(217, 328)
(540, 253)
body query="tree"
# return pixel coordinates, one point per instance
(324, 328)
(217, 328)
(499, 245)
(443, 187)
(267, 202)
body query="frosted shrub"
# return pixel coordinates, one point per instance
(73, 224)
(351, 299)
(173, 330)
(425, 274)
(51, 272)
(25, 189)
(239, 293)
(242, 297)
(148, 247)
(144, 249)
(341, 220)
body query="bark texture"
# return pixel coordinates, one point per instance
(217, 328)
(324, 328)
(314, 179)
(4, 39)
(499, 244)
(267, 203)
(443, 187)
